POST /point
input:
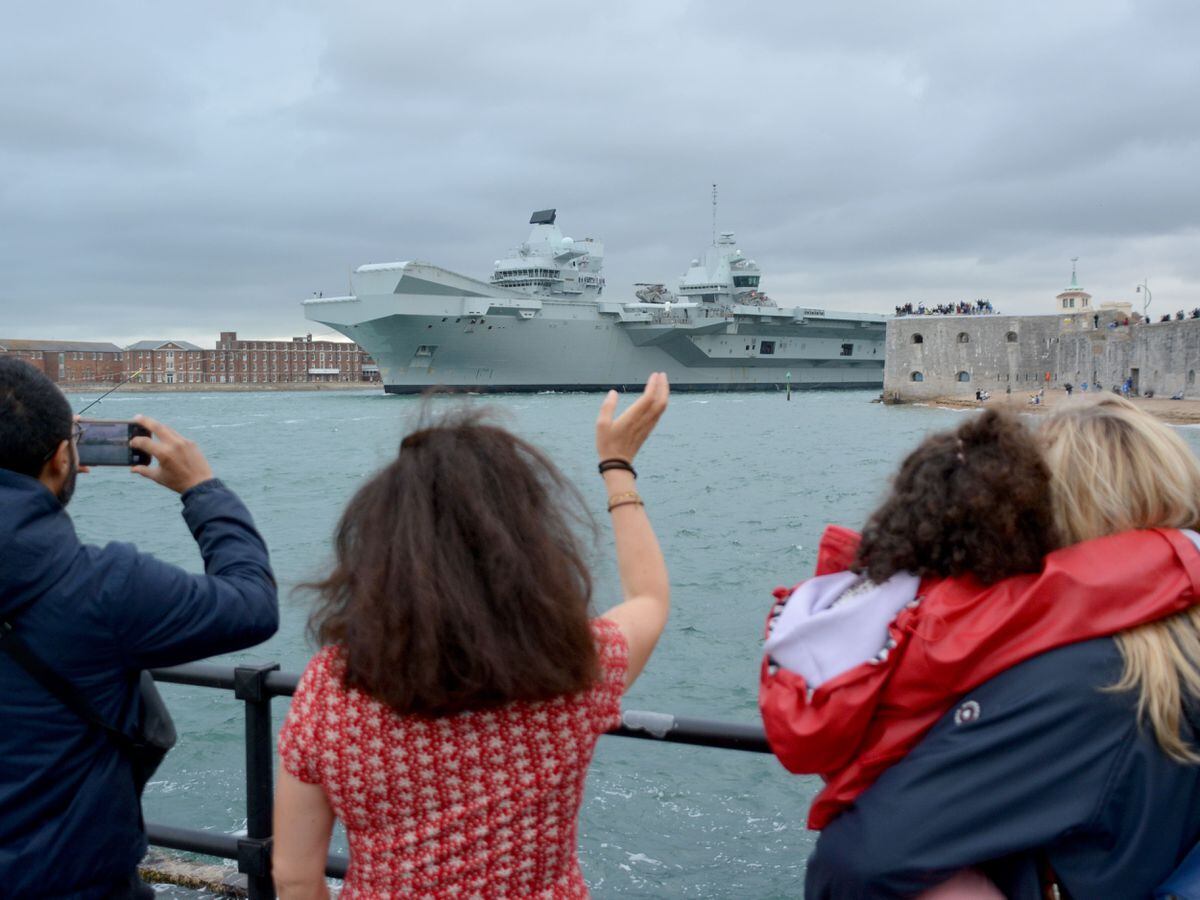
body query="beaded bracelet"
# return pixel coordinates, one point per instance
(622, 464)
(625, 498)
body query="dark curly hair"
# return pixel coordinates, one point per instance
(460, 581)
(973, 500)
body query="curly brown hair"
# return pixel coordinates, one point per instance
(460, 582)
(973, 500)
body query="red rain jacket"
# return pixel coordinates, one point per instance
(961, 633)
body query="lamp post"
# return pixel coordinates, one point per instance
(1145, 287)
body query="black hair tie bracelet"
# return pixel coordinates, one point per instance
(608, 464)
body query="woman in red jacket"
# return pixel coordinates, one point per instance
(862, 660)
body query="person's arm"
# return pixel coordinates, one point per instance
(163, 615)
(819, 732)
(643, 613)
(303, 824)
(1093, 589)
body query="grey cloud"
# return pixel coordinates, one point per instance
(203, 168)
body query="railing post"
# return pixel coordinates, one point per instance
(254, 850)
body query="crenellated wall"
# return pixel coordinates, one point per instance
(930, 356)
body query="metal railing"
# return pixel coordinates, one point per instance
(257, 685)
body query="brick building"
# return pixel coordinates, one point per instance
(70, 362)
(233, 361)
(237, 361)
(166, 362)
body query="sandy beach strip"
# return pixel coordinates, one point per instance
(1177, 412)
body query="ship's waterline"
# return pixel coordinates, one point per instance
(542, 323)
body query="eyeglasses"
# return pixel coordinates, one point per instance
(76, 434)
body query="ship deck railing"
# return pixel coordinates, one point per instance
(255, 686)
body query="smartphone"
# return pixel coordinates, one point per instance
(104, 442)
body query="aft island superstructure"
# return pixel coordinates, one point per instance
(541, 323)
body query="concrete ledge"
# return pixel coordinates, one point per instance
(163, 868)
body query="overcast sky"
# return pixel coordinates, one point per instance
(171, 170)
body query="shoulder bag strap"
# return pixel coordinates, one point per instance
(60, 687)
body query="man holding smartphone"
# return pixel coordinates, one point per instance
(70, 814)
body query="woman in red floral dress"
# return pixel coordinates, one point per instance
(449, 719)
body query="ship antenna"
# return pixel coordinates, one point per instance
(714, 215)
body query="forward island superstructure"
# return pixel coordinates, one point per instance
(542, 323)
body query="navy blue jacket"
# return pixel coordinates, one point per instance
(70, 820)
(1038, 757)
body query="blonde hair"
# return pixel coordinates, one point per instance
(1114, 468)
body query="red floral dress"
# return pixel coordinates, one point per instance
(479, 804)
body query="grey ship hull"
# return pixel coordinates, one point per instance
(426, 326)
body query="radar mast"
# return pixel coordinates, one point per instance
(714, 236)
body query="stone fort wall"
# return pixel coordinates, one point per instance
(954, 356)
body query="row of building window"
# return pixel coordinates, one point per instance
(281, 346)
(173, 378)
(88, 355)
(964, 338)
(920, 376)
(192, 354)
(541, 274)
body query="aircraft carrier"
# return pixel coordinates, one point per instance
(542, 323)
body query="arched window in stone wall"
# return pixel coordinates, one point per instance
(964, 338)
(917, 338)
(917, 376)
(1191, 376)
(964, 376)
(1011, 337)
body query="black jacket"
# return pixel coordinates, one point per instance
(70, 821)
(1040, 757)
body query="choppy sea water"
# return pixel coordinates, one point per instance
(738, 487)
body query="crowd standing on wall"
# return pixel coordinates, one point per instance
(961, 308)
(1180, 315)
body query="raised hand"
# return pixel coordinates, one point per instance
(622, 437)
(181, 465)
(644, 582)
